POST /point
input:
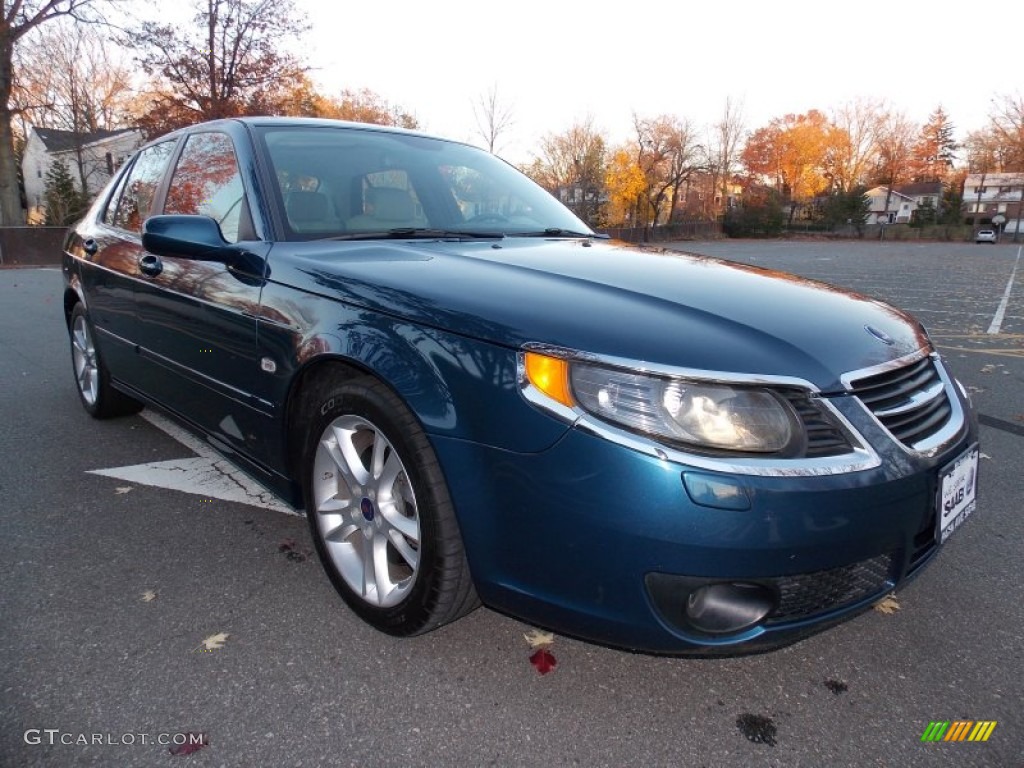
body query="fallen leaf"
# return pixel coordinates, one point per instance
(988, 368)
(759, 729)
(836, 686)
(122, 490)
(215, 642)
(985, 456)
(291, 550)
(148, 596)
(191, 744)
(543, 660)
(887, 605)
(538, 639)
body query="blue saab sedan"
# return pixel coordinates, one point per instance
(476, 398)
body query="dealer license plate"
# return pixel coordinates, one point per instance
(958, 488)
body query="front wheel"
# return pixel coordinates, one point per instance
(380, 514)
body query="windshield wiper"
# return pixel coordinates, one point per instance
(419, 233)
(557, 232)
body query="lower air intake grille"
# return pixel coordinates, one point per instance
(808, 594)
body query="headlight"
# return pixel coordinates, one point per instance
(702, 415)
(705, 415)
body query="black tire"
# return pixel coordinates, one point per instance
(92, 379)
(390, 519)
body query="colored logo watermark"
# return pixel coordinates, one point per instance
(958, 730)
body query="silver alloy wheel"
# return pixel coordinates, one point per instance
(83, 351)
(366, 511)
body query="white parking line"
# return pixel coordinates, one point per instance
(207, 474)
(997, 321)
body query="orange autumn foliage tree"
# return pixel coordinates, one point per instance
(625, 184)
(790, 153)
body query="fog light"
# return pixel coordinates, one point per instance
(730, 607)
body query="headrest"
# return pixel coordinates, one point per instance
(391, 204)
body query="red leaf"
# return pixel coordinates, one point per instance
(191, 744)
(543, 660)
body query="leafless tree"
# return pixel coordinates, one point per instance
(1007, 128)
(723, 148)
(81, 89)
(853, 143)
(229, 61)
(494, 118)
(895, 152)
(571, 165)
(667, 154)
(20, 17)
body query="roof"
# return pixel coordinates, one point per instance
(1012, 178)
(60, 141)
(263, 121)
(920, 188)
(881, 191)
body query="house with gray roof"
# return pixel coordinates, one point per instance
(91, 158)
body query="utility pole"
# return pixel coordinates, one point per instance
(1020, 209)
(977, 205)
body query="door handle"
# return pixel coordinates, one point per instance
(150, 265)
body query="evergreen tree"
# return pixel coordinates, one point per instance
(760, 215)
(925, 214)
(952, 202)
(935, 149)
(844, 208)
(64, 202)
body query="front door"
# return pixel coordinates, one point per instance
(197, 319)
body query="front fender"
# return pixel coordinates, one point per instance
(458, 387)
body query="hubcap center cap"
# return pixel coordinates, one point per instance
(367, 508)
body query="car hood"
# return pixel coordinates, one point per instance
(655, 306)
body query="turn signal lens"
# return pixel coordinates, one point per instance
(550, 375)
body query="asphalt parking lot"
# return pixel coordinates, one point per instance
(299, 681)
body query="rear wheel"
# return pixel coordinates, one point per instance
(92, 378)
(380, 513)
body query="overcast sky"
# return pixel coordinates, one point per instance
(556, 61)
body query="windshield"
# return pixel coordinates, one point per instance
(335, 181)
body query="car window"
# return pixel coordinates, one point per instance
(206, 181)
(133, 200)
(481, 200)
(335, 181)
(387, 199)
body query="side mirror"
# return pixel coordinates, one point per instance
(190, 237)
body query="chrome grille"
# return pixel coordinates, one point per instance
(824, 438)
(911, 402)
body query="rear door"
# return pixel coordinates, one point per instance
(111, 247)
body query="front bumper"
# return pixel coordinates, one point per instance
(595, 540)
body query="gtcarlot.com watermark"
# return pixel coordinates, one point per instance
(55, 736)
